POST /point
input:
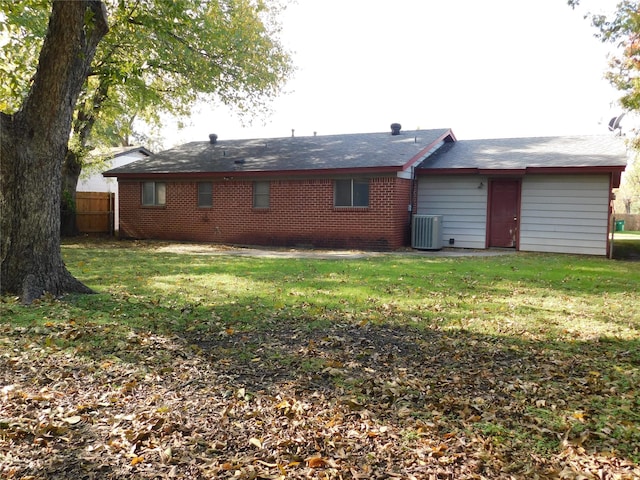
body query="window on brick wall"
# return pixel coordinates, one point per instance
(351, 193)
(260, 194)
(154, 193)
(205, 194)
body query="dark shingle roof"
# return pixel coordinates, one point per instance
(349, 151)
(533, 152)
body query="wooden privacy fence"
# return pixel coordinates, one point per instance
(94, 212)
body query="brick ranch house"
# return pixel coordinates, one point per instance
(353, 190)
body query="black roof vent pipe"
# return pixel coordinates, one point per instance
(213, 138)
(395, 128)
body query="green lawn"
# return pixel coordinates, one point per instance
(204, 365)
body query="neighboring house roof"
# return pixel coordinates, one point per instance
(532, 155)
(106, 157)
(121, 151)
(91, 179)
(295, 155)
(115, 152)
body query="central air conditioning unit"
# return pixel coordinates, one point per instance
(426, 232)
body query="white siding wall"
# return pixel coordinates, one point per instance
(95, 182)
(461, 203)
(565, 214)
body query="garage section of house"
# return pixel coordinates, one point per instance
(546, 194)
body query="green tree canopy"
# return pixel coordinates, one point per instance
(159, 56)
(622, 29)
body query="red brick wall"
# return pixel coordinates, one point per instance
(301, 212)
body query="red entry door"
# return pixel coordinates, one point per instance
(504, 210)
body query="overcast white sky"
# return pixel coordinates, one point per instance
(486, 69)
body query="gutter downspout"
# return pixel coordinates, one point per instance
(411, 200)
(612, 219)
(613, 229)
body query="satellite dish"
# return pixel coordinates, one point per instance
(614, 123)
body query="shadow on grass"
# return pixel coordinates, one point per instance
(627, 249)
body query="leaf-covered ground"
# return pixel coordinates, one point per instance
(327, 395)
(358, 402)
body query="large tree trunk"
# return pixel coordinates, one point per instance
(33, 146)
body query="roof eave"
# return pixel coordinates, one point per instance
(578, 169)
(593, 169)
(257, 173)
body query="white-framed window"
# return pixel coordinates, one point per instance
(352, 192)
(261, 194)
(154, 193)
(205, 194)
